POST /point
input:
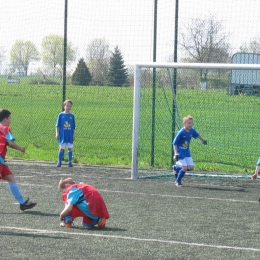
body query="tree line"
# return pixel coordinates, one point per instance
(200, 40)
(102, 67)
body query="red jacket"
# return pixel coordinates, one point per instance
(95, 202)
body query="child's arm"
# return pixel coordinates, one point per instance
(176, 155)
(204, 141)
(57, 132)
(15, 146)
(66, 211)
(254, 176)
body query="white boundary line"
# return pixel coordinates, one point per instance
(157, 195)
(44, 231)
(179, 196)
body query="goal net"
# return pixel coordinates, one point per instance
(224, 102)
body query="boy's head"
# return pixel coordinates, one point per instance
(188, 122)
(5, 116)
(64, 183)
(67, 104)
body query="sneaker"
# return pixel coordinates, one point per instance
(58, 164)
(68, 224)
(101, 223)
(70, 164)
(27, 205)
(178, 184)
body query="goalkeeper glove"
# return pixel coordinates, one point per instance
(205, 142)
(176, 157)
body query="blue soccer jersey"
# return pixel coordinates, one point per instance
(66, 124)
(182, 141)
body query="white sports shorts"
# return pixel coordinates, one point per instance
(185, 162)
(66, 145)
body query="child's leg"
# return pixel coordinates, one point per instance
(13, 187)
(187, 165)
(67, 222)
(69, 157)
(254, 176)
(68, 218)
(60, 157)
(89, 222)
(180, 175)
(177, 168)
(182, 167)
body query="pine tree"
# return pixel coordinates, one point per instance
(81, 76)
(117, 74)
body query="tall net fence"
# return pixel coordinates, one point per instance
(227, 118)
(104, 41)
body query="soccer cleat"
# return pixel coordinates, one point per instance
(70, 164)
(27, 205)
(178, 184)
(68, 224)
(58, 164)
(101, 223)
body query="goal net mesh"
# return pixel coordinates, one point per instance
(225, 111)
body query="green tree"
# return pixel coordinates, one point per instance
(81, 76)
(52, 52)
(22, 53)
(117, 74)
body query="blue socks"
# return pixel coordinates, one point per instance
(60, 156)
(13, 187)
(69, 156)
(180, 176)
(178, 168)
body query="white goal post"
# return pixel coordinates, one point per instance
(137, 89)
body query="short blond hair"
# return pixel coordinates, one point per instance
(64, 181)
(186, 118)
(67, 101)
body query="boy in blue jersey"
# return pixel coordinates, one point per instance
(7, 139)
(181, 143)
(65, 128)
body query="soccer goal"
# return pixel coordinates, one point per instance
(226, 114)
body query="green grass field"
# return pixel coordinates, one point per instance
(104, 125)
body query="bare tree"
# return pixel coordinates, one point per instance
(22, 53)
(252, 47)
(2, 54)
(2, 57)
(97, 60)
(204, 41)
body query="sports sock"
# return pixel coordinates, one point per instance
(178, 168)
(180, 175)
(69, 156)
(13, 187)
(67, 218)
(60, 156)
